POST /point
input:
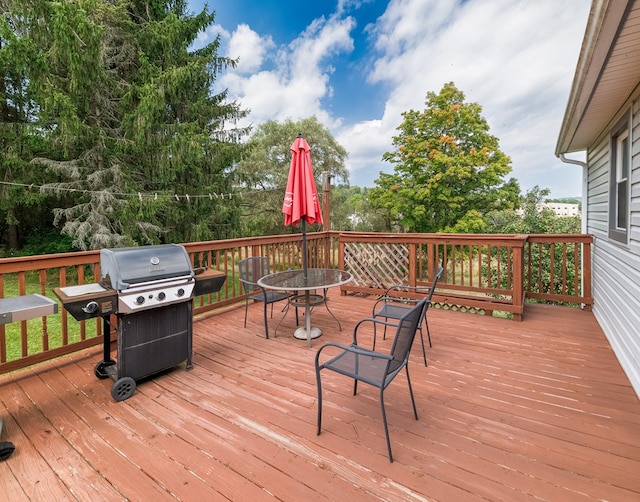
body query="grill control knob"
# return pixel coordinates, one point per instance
(180, 292)
(140, 300)
(90, 308)
(161, 295)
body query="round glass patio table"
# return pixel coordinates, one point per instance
(303, 283)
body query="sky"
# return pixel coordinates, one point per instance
(357, 65)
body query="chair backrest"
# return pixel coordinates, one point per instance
(252, 269)
(434, 284)
(405, 333)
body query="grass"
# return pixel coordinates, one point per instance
(35, 331)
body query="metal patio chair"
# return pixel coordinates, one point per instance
(397, 299)
(374, 368)
(251, 270)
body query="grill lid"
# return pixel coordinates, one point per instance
(122, 268)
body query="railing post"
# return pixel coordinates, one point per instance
(518, 278)
(586, 273)
(341, 264)
(326, 207)
(327, 249)
(413, 272)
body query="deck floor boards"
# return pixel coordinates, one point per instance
(531, 410)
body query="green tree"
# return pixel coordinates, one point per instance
(185, 140)
(533, 217)
(447, 168)
(351, 210)
(22, 210)
(262, 173)
(88, 54)
(125, 108)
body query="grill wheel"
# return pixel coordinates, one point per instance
(123, 388)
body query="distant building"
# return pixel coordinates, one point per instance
(560, 208)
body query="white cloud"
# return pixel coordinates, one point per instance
(249, 48)
(299, 77)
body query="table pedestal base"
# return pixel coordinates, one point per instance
(301, 333)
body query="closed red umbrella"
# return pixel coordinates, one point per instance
(301, 201)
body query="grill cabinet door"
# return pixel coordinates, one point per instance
(154, 340)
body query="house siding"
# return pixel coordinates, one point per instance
(615, 266)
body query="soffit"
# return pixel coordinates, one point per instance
(607, 73)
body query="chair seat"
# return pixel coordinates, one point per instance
(251, 270)
(392, 311)
(270, 296)
(368, 369)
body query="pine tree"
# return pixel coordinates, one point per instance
(126, 109)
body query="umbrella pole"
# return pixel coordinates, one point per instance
(307, 313)
(304, 249)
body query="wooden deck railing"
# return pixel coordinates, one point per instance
(482, 272)
(487, 272)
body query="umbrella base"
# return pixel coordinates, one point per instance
(301, 333)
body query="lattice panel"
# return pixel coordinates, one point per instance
(377, 265)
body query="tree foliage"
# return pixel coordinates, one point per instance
(532, 219)
(351, 211)
(21, 211)
(447, 168)
(124, 108)
(536, 219)
(262, 173)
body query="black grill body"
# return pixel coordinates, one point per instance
(154, 340)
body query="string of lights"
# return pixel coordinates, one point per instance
(139, 195)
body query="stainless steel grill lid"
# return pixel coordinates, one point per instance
(122, 268)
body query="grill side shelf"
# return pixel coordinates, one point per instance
(87, 305)
(209, 281)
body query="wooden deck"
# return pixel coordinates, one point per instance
(532, 410)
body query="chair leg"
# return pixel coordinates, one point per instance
(375, 335)
(426, 323)
(424, 352)
(413, 401)
(266, 323)
(384, 421)
(319, 385)
(246, 308)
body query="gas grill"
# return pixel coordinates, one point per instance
(148, 291)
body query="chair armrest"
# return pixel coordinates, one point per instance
(371, 320)
(375, 321)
